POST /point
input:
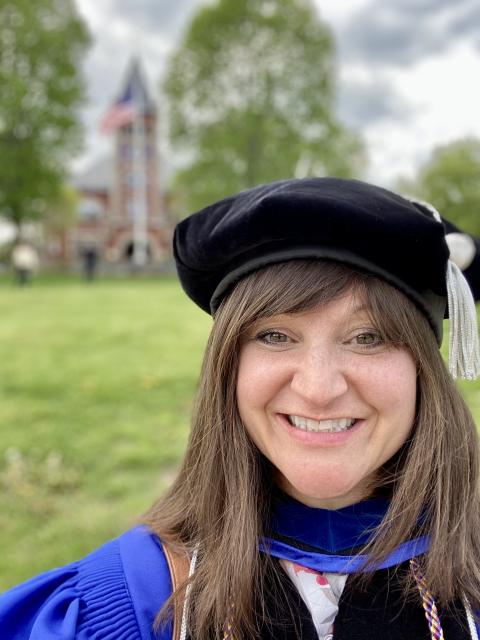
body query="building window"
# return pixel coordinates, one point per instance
(90, 209)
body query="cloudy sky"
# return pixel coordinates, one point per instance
(408, 70)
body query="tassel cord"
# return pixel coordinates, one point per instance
(470, 619)
(430, 608)
(464, 349)
(183, 628)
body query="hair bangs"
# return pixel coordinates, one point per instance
(300, 285)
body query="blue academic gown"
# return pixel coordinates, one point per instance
(112, 594)
(116, 592)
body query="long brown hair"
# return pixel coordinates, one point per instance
(222, 495)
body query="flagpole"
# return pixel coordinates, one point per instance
(139, 256)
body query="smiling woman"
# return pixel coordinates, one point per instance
(326, 399)
(330, 484)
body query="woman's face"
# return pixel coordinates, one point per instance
(325, 400)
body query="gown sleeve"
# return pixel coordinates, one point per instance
(114, 593)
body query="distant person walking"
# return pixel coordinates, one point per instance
(90, 262)
(25, 262)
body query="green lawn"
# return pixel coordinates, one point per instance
(96, 388)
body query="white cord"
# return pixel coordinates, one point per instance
(470, 619)
(426, 205)
(183, 628)
(464, 350)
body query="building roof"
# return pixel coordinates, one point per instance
(99, 176)
(135, 89)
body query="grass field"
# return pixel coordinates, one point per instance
(96, 388)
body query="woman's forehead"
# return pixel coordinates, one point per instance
(353, 302)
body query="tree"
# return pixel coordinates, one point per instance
(250, 94)
(61, 212)
(450, 180)
(42, 43)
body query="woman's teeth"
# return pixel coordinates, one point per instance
(307, 424)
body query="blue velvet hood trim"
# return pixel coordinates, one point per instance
(331, 540)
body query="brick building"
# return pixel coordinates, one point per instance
(109, 207)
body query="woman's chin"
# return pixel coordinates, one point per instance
(331, 495)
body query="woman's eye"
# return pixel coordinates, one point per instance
(272, 337)
(368, 339)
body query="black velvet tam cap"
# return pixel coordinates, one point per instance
(358, 224)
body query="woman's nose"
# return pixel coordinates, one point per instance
(320, 377)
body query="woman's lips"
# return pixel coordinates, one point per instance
(319, 438)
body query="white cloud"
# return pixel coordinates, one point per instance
(338, 12)
(407, 92)
(445, 105)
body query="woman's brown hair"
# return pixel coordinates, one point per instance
(221, 498)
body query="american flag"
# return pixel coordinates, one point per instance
(122, 112)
